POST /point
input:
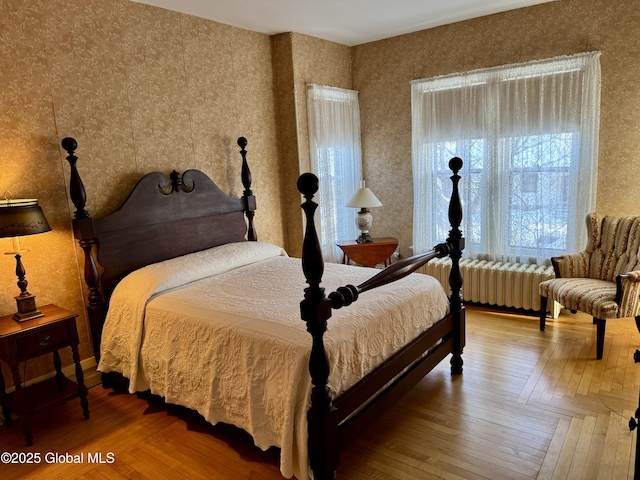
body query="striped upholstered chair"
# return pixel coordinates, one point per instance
(603, 280)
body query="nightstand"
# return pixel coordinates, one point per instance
(369, 254)
(23, 341)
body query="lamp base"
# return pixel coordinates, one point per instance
(364, 220)
(26, 308)
(364, 238)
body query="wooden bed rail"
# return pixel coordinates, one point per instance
(345, 296)
(324, 421)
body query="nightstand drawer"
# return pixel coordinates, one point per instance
(44, 340)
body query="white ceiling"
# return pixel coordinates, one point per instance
(349, 22)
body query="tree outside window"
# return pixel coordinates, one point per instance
(528, 135)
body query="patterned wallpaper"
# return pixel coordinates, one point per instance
(382, 72)
(145, 89)
(141, 89)
(299, 60)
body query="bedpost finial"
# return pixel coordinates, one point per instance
(247, 196)
(76, 187)
(307, 184)
(69, 144)
(455, 164)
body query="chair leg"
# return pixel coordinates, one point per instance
(543, 312)
(600, 327)
(638, 325)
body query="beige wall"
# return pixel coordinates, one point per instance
(145, 89)
(382, 72)
(299, 60)
(141, 89)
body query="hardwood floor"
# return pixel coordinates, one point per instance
(530, 404)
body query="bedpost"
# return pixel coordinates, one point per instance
(315, 310)
(83, 230)
(455, 277)
(247, 196)
(76, 187)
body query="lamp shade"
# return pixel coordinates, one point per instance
(21, 217)
(363, 198)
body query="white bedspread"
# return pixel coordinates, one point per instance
(220, 332)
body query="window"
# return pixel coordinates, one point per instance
(334, 142)
(528, 135)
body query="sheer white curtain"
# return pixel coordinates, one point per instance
(528, 135)
(334, 142)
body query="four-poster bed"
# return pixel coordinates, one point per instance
(181, 303)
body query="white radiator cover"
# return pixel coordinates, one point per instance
(497, 283)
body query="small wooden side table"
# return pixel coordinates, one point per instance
(23, 341)
(369, 254)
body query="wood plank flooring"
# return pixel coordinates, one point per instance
(530, 405)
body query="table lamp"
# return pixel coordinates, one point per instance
(20, 217)
(364, 199)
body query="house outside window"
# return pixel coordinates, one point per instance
(528, 135)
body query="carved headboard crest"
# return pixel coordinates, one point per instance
(176, 185)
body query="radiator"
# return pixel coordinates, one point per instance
(497, 283)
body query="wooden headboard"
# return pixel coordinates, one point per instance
(163, 217)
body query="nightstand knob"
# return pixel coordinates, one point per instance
(44, 341)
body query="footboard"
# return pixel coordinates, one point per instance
(331, 424)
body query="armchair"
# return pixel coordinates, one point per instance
(604, 279)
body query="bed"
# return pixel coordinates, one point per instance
(184, 301)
